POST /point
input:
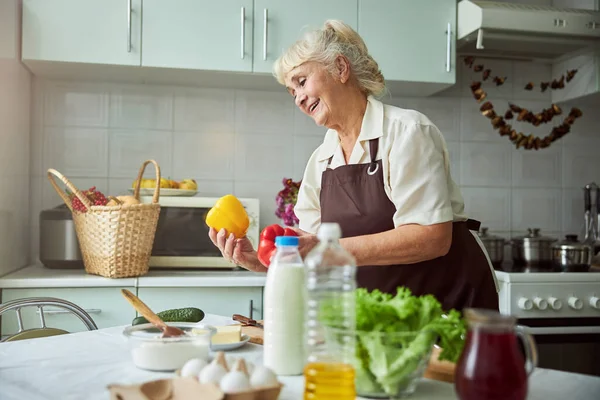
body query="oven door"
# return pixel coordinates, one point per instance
(567, 344)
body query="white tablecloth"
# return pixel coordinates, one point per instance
(81, 365)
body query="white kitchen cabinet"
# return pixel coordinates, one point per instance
(198, 34)
(106, 306)
(82, 31)
(409, 39)
(279, 23)
(224, 301)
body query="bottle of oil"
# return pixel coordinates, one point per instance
(330, 319)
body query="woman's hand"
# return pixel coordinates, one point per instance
(306, 241)
(238, 251)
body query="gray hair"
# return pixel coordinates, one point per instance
(324, 45)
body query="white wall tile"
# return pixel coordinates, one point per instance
(209, 110)
(141, 108)
(537, 168)
(536, 208)
(75, 104)
(76, 152)
(306, 126)
(490, 206)
(581, 166)
(37, 131)
(203, 155)
(444, 113)
(454, 151)
(214, 188)
(304, 146)
(501, 68)
(525, 72)
(129, 149)
(263, 157)
(264, 112)
(573, 212)
(266, 193)
(474, 126)
(485, 164)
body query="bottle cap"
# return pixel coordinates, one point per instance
(329, 230)
(286, 241)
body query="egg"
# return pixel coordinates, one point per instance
(212, 373)
(263, 376)
(193, 367)
(234, 381)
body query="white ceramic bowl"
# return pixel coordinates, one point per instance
(152, 352)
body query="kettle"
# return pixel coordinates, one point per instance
(59, 246)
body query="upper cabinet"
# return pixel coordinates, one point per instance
(410, 39)
(78, 31)
(279, 23)
(198, 34)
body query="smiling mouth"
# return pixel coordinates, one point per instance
(313, 106)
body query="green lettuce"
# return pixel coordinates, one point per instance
(384, 363)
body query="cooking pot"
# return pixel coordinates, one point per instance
(532, 249)
(572, 255)
(494, 246)
(59, 247)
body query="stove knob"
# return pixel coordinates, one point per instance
(555, 303)
(540, 303)
(575, 303)
(525, 304)
(595, 302)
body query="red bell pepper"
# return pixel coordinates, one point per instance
(266, 245)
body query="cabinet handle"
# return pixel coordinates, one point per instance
(89, 311)
(129, 26)
(448, 47)
(243, 32)
(265, 32)
(592, 25)
(251, 309)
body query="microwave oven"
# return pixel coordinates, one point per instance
(182, 240)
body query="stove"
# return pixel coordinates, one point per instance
(561, 310)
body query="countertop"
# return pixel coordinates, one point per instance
(38, 276)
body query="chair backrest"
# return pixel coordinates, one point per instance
(40, 303)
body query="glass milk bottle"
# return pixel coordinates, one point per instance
(284, 305)
(330, 320)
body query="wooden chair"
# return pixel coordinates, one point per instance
(40, 303)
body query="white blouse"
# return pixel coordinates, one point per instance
(416, 168)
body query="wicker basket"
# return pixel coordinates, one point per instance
(115, 241)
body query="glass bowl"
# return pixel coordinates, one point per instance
(388, 365)
(152, 352)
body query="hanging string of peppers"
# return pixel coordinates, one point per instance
(498, 119)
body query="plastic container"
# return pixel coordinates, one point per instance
(331, 284)
(152, 352)
(284, 305)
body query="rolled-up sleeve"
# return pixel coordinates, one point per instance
(308, 205)
(418, 176)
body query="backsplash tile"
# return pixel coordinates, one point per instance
(246, 141)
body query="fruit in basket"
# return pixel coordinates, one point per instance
(228, 213)
(122, 201)
(95, 197)
(188, 184)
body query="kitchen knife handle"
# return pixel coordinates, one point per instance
(587, 198)
(243, 320)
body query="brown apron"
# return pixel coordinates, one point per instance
(354, 197)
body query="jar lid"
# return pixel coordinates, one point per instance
(533, 235)
(571, 243)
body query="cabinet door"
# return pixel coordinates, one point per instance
(83, 31)
(279, 23)
(223, 301)
(409, 39)
(198, 34)
(106, 306)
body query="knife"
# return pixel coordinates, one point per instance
(247, 321)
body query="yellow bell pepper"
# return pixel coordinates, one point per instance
(228, 213)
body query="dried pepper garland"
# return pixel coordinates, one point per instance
(499, 123)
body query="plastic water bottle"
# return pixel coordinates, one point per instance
(330, 320)
(284, 305)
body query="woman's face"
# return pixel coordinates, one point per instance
(316, 92)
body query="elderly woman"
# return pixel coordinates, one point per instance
(382, 173)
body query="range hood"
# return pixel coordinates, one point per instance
(526, 32)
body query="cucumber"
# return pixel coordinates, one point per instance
(187, 314)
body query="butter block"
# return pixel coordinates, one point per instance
(227, 334)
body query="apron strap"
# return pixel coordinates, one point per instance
(473, 225)
(373, 148)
